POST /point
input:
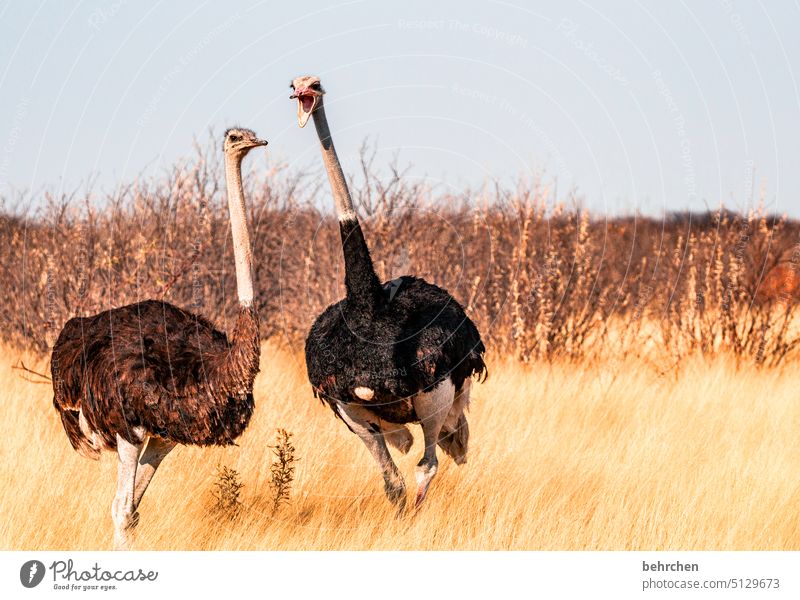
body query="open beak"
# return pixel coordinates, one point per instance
(306, 103)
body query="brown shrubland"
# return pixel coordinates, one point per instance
(541, 280)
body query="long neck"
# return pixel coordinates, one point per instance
(240, 364)
(241, 239)
(361, 282)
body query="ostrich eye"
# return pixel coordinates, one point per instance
(235, 138)
(315, 86)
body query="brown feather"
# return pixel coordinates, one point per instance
(156, 368)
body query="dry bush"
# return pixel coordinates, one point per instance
(227, 489)
(542, 281)
(282, 469)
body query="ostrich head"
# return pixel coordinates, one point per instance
(308, 92)
(239, 141)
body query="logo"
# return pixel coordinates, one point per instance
(31, 573)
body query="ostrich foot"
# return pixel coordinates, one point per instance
(425, 474)
(396, 493)
(123, 542)
(124, 531)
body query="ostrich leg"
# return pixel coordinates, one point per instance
(432, 409)
(123, 510)
(365, 425)
(153, 454)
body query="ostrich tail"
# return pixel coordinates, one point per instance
(474, 363)
(455, 443)
(71, 421)
(479, 367)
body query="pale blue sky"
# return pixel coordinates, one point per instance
(639, 105)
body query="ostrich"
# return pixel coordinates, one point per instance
(153, 373)
(388, 355)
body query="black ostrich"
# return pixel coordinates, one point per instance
(391, 354)
(153, 373)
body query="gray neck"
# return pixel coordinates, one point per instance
(241, 239)
(341, 195)
(362, 284)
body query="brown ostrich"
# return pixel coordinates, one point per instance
(392, 354)
(152, 373)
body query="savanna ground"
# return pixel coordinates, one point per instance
(608, 456)
(643, 389)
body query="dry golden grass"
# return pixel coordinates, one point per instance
(611, 456)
